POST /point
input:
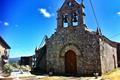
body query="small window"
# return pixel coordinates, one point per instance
(69, 4)
(114, 61)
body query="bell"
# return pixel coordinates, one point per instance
(74, 19)
(65, 19)
(75, 14)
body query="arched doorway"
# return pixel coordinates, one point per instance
(70, 63)
(114, 61)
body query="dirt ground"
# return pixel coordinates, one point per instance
(50, 78)
(113, 75)
(61, 78)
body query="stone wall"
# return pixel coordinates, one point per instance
(108, 54)
(2, 49)
(4, 52)
(41, 59)
(83, 42)
(118, 54)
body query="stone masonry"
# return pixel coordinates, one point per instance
(91, 51)
(84, 43)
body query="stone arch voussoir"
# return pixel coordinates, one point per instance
(68, 47)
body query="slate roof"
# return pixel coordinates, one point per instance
(4, 44)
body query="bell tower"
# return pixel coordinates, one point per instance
(71, 14)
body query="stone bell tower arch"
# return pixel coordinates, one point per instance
(70, 14)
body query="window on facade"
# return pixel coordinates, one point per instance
(5, 51)
(70, 4)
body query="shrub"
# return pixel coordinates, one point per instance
(15, 65)
(7, 69)
(25, 68)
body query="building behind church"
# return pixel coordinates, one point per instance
(73, 48)
(4, 53)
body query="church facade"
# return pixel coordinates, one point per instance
(75, 49)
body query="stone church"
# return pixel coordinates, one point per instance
(73, 48)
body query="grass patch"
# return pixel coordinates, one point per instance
(108, 73)
(113, 75)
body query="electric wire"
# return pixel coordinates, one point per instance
(94, 14)
(115, 35)
(97, 19)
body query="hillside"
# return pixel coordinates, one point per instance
(14, 60)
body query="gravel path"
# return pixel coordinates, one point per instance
(33, 77)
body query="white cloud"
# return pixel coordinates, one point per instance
(45, 12)
(118, 13)
(6, 24)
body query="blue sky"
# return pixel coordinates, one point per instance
(24, 23)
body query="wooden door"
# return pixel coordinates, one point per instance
(70, 63)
